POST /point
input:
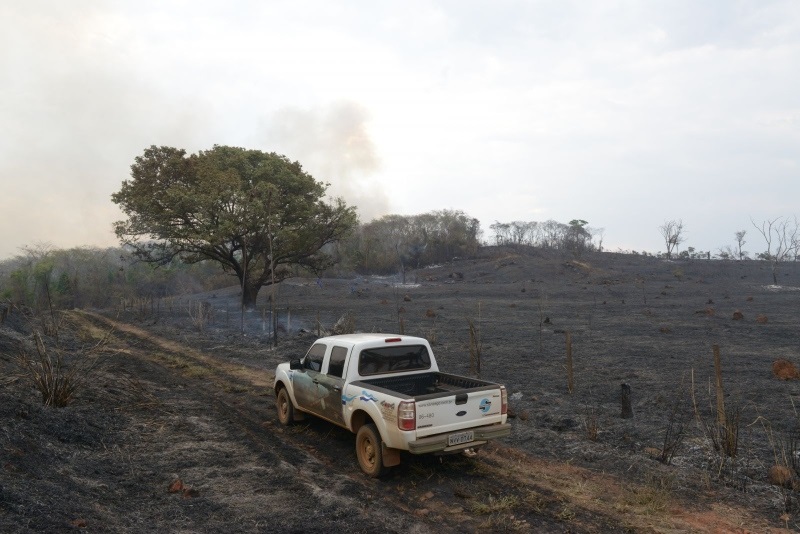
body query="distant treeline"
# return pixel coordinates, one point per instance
(395, 243)
(93, 277)
(42, 276)
(576, 236)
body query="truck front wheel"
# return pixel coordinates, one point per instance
(368, 451)
(285, 407)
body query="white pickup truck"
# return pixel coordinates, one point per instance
(387, 389)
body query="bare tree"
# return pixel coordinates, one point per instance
(672, 232)
(502, 232)
(740, 242)
(599, 233)
(522, 232)
(782, 236)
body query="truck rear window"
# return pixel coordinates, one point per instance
(393, 359)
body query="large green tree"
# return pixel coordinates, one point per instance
(257, 214)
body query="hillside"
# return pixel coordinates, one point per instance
(181, 395)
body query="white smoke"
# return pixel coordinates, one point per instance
(333, 144)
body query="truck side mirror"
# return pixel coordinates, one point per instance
(295, 365)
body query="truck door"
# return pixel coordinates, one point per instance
(330, 386)
(305, 380)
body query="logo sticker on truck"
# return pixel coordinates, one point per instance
(485, 405)
(388, 411)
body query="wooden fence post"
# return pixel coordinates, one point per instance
(570, 383)
(720, 393)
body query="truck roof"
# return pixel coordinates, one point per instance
(371, 337)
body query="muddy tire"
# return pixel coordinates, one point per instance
(368, 451)
(285, 408)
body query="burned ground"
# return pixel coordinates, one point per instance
(186, 397)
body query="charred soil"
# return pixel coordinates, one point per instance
(176, 428)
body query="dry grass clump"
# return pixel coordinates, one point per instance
(738, 315)
(345, 325)
(582, 265)
(591, 425)
(52, 376)
(656, 495)
(761, 319)
(200, 313)
(780, 475)
(785, 370)
(493, 505)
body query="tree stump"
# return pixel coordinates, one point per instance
(627, 408)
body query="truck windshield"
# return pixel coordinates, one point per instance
(393, 359)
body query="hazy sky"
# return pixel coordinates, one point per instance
(622, 113)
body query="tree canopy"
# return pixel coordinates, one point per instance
(256, 214)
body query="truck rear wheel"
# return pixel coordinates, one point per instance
(285, 407)
(368, 451)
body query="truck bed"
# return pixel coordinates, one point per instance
(426, 385)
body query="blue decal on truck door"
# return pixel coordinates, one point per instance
(365, 396)
(486, 405)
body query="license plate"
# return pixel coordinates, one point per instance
(461, 437)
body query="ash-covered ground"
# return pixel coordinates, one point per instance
(184, 395)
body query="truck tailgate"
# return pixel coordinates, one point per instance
(462, 410)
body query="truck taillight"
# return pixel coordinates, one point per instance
(407, 415)
(503, 400)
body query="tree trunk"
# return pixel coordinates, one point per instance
(250, 295)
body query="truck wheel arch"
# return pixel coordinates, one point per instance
(359, 419)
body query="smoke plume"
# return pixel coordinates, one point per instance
(334, 146)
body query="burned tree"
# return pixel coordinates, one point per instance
(672, 232)
(782, 236)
